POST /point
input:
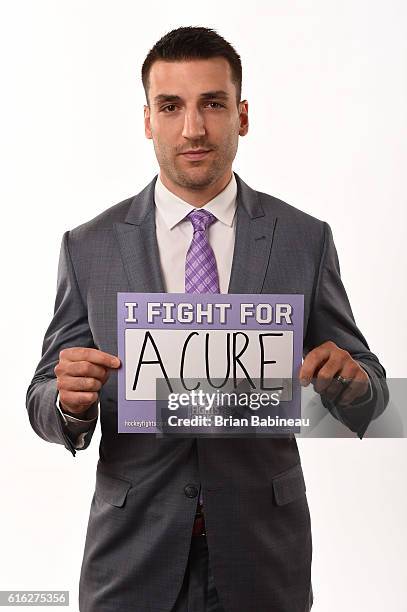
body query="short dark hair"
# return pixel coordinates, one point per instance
(189, 43)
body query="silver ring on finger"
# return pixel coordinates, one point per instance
(344, 381)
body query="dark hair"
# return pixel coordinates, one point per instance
(188, 43)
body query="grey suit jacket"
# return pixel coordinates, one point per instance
(257, 518)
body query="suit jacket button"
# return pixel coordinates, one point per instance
(190, 490)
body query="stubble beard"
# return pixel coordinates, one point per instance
(201, 174)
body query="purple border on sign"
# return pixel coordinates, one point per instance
(146, 408)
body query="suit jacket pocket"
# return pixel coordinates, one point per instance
(112, 489)
(289, 485)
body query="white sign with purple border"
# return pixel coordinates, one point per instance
(203, 337)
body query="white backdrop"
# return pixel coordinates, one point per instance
(327, 91)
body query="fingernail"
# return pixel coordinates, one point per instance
(304, 382)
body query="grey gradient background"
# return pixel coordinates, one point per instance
(327, 91)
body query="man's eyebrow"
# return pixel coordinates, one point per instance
(166, 98)
(219, 93)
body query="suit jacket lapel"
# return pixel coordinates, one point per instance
(254, 238)
(138, 244)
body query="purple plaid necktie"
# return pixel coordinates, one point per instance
(201, 272)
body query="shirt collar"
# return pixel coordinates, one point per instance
(173, 209)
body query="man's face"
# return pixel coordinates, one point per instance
(192, 107)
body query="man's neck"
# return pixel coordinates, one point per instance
(197, 197)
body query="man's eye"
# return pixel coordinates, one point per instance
(169, 108)
(216, 104)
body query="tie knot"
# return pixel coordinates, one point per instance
(201, 219)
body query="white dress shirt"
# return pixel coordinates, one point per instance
(174, 235)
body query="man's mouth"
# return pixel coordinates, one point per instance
(195, 154)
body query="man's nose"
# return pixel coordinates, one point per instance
(194, 125)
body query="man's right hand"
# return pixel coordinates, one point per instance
(80, 373)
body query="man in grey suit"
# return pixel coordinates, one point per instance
(151, 545)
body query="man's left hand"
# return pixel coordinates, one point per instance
(324, 364)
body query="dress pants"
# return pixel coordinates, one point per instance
(198, 592)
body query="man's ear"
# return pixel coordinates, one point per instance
(147, 126)
(243, 117)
